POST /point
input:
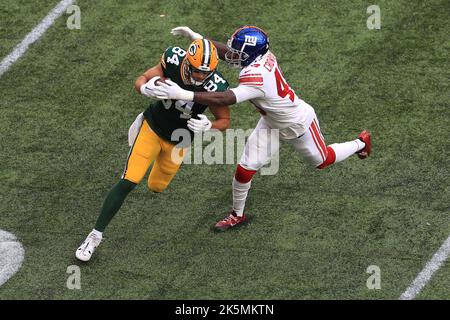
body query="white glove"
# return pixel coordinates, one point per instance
(186, 32)
(199, 125)
(171, 90)
(146, 88)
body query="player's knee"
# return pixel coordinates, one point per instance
(156, 186)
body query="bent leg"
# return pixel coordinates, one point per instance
(143, 151)
(311, 146)
(165, 167)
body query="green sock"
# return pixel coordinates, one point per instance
(113, 202)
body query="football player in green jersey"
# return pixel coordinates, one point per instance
(155, 136)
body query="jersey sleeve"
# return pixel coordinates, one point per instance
(246, 92)
(221, 82)
(252, 77)
(165, 66)
(251, 85)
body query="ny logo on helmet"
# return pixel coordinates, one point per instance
(251, 40)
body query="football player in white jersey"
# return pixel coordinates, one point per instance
(262, 83)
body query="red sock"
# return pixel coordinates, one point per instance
(331, 158)
(243, 175)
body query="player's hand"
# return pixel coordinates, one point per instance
(186, 32)
(171, 90)
(146, 88)
(199, 125)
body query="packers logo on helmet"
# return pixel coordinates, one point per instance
(192, 49)
(202, 59)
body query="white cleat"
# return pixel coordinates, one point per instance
(87, 248)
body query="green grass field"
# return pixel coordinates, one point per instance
(66, 106)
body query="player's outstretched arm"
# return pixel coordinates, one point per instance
(235, 95)
(171, 90)
(221, 49)
(224, 98)
(186, 32)
(189, 33)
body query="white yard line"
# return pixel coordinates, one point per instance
(11, 256)
(427, 273)
(34, 35)
(12, 252)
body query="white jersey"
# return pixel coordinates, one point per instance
(263, 84)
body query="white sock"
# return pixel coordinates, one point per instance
(361, 145)
(346, 149)
(97, 234)
(240, 191)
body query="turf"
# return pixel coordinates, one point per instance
(66, 106)
(18, 18)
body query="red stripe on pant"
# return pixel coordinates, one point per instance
(243, 175)
(319, 138)
(331, 158)
(320, 145)
(317, 144)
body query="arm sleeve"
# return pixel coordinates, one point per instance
(244, 93)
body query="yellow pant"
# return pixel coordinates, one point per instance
(149, 147)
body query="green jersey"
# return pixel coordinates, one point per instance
(165, 116)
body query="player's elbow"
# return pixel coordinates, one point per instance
(229, 98)
(221, 124)
(225, 124)
(137, 88)
(139, 82)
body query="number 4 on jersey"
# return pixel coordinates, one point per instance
(283, 87)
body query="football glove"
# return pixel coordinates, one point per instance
(146, 88)
(171, 90)
(186, 32)
(199, 125)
